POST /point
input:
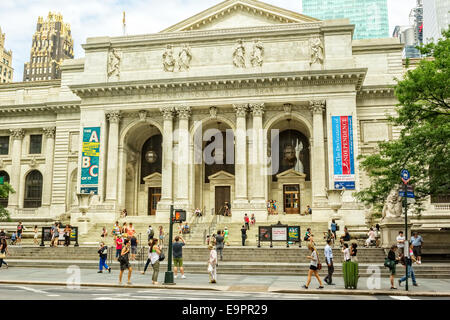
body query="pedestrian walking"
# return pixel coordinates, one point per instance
(104, 234)
(119, 245)
(2, 234)
(3, 252)
(134, 244)
(155, 250)
(212, 264)
(125, 262)
(161, 236)
(401, 243)
(20, 229)
(225, 236)
(314, 267)
(55, 235)
(35, 237)
(353, 252)
(177, 249)
(219, 244)
(247, 222)
(103, 255)
(67, 232)
(329, 260)
(391, 263)
(417, 242)
(408, 263)
(150, 233)
(243, 235)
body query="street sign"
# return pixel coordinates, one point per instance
(405, 176)
(409, 192)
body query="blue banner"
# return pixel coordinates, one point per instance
(343, 152)
(90, 160)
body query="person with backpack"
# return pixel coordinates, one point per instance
(391, 263)
(103, 254)
(155, 258)
(3, 252)
(125, 262)
(150, 233)
(314, 267)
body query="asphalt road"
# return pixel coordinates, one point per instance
(38, 292)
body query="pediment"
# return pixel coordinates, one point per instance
(154, 177)
(221, 175)
(239, 14)
(291, 173)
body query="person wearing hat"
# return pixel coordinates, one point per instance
(119, 245)
(212, 264)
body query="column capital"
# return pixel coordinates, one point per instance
(17, 133)
(49, 132)
(317, 106)
(184, 112)
(241, 109)
(167, 112)
(113, 116)
(257, 109)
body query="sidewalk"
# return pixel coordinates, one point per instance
(245, 283)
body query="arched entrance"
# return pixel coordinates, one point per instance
(289, 182)
(214, 167)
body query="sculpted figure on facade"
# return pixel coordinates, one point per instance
(239, 55)
(298, 150)
(114, 63)
(184, 58)
(393, 206)
(168, 59)
(257, 54)
(316, 51)
(213, 112)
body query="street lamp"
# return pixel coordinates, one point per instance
(168, 276)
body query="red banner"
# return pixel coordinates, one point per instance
(345, 146)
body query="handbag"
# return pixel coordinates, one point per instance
(319, 265)
(162, 256)
(2, 255)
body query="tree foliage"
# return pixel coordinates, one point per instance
(423, 116)
(5, 190)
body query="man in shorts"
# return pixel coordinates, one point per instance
(417, 241)
(177, 248)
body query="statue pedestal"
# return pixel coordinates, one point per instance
(83, 224)
(390, 228)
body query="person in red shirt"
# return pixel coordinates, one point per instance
(247, 222)
(119, 245)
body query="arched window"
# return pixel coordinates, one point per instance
(5, 176)
(33, 190)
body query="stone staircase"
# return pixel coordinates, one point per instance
(236, 260)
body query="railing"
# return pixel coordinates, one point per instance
(442, 207)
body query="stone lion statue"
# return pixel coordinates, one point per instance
(393, 206)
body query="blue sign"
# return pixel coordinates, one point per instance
(90, 160)
(408, 194)
(405, 175)
(343, 152)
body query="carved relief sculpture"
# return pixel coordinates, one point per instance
(298, 151)
(114, 63)
(213, 112)
(393, 206)
(257, 54)
(316, 47)
(168, 59)
(184, 58)
(239, 55)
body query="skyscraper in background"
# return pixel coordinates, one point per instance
(52, 43)
(436, 18)
(6, 70)
(369, 16)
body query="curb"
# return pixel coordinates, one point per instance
(225, 288)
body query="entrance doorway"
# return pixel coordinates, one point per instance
(291, 196)
(154, 195)
(222, 195)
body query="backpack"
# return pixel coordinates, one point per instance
(162, 256)
(152, 234)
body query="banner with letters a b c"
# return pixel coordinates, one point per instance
(90, 160)
(343, 152)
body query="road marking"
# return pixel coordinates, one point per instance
(53, 295)
(31, 289)
(402, 298)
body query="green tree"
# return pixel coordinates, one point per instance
(423, 115)
(5, 190)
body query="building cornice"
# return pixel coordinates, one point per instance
(318, 77)
(376, 91)
(28, 84)
(41, 108)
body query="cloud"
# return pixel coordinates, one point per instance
(91, 18)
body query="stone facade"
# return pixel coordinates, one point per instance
(242, 66)
(6, 69)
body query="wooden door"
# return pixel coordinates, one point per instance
(154, 195)
(291, 196)
(222, 195)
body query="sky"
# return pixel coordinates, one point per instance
(92, 18)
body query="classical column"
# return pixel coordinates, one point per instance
(49, 133)
(113, 154)
(258, 153)
(167, 165)
(241, 195)
(184, 112)
(317, 108)
(16, 155)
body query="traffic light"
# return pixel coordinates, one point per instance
(180, 216)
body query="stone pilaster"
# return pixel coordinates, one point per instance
(317, 108)
(241, 195)
(49, 134)
(184, 112)
(17, 136)
(113, 154)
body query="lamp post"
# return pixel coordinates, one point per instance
(168, 276)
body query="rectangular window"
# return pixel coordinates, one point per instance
(35, 143)
(4, 145)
